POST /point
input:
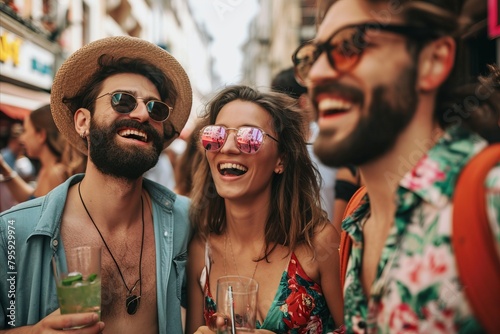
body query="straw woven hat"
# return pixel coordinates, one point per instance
(77, 70)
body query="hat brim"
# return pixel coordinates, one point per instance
(78, 69)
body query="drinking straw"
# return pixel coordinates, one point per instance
(231, 309)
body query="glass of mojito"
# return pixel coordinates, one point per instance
(78, 280)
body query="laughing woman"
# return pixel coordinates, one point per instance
(43, 142)
(256, 212)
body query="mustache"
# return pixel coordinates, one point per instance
(144, 127)
(342, 90)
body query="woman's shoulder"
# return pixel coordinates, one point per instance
(197, 244)
(325, 232)
(326, 243)
(58, 172)
(49, 178)
(200, 244)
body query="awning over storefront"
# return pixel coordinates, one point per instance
(17, 102)
(14, 112)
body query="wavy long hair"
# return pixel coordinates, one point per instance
(295, 211)
(41, 119)
(71, 158)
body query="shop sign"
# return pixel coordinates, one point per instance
(25, 61)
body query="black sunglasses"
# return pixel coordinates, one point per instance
(346, 45)
(248, 139)
(125, 103)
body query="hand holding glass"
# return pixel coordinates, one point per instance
(79, 281)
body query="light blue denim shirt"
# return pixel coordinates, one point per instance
(30, 234)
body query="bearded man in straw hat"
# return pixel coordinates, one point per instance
(121, 101)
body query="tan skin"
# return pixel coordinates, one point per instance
(434, 64)
(55, 322)
(118, 204)
(116, 210)
(49, 179)
(268, 274)
(124, 240)
(52, 172)
(247, 207)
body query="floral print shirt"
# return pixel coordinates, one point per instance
(417, 288)
(299, 306)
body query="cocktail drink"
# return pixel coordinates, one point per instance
(80, 295)
(79, 280)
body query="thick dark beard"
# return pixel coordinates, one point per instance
(389, 114)
(113, 159)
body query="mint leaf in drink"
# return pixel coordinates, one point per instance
(72, 277)
(92, 277)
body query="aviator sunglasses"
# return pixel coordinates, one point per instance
(248, 139)
(345, 47)
(125, 103)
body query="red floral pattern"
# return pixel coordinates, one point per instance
(417, 288)
(403, 320)
(299, 306)
(300, 303)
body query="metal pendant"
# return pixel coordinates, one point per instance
(132, 304)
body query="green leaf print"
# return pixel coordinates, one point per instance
(404, 292)
(423, 298)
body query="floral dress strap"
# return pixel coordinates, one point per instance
(209, 306)
(206, 270)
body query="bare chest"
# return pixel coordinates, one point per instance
(124, 273)
(374, 239)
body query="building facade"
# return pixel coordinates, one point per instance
(277, 30)
(281, 26)
(37, 35)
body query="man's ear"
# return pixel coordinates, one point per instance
(435, 63)
(82, 122)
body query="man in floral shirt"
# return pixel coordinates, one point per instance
(377, 77)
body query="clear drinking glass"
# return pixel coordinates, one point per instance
(237, 302)
(78, 280)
